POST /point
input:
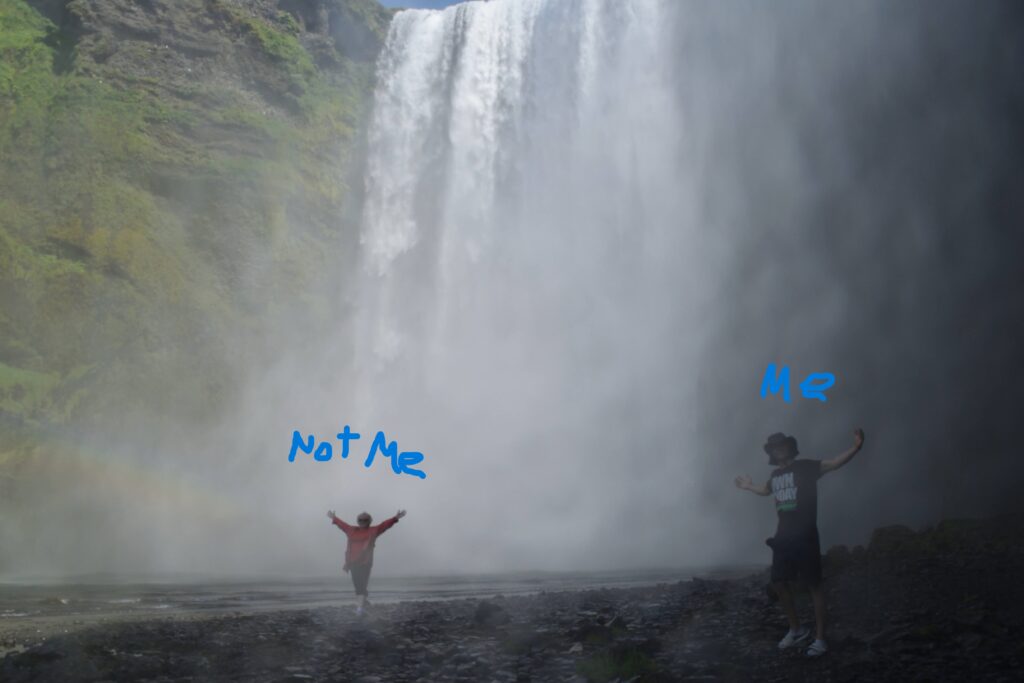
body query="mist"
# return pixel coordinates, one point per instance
(585, 228)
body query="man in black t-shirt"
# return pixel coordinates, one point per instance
(796, 552)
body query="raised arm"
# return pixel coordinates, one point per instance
(388, 523)
(747, 484)
(846, 456)
(337, 521)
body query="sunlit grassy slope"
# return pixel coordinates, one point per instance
(173, 174)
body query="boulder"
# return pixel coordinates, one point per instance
(489, 615)
(888, 540)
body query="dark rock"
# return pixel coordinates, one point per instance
(522, 641)
(488, 614)
(836, 559)
(617, 622)
(889, 539)
(592, 633)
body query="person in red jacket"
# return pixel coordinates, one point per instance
(359, 553)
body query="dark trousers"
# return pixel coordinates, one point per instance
(360, 577)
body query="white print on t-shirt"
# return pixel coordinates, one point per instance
(784, 488)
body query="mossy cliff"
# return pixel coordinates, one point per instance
(173, 175)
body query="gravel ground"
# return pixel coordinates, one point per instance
(943, 604)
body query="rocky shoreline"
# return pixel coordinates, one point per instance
(942, 604)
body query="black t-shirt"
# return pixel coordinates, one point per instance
(795, 488)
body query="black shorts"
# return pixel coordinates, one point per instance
(796, 559)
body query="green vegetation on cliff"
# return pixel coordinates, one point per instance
(172, 175)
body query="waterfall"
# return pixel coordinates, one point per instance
(524, 233)
(522, 181)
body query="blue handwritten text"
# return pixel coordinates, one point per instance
(401, 462)
(777, 380)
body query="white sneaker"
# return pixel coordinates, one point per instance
(817, 648)
(795, 637)
(360, 611)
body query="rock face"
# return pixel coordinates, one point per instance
(269, 52)
(174, 173)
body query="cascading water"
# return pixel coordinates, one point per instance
(515, 147)
(525, 243)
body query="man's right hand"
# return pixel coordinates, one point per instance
(744, 482)
(330, 515)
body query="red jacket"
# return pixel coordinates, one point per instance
(361, 540)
